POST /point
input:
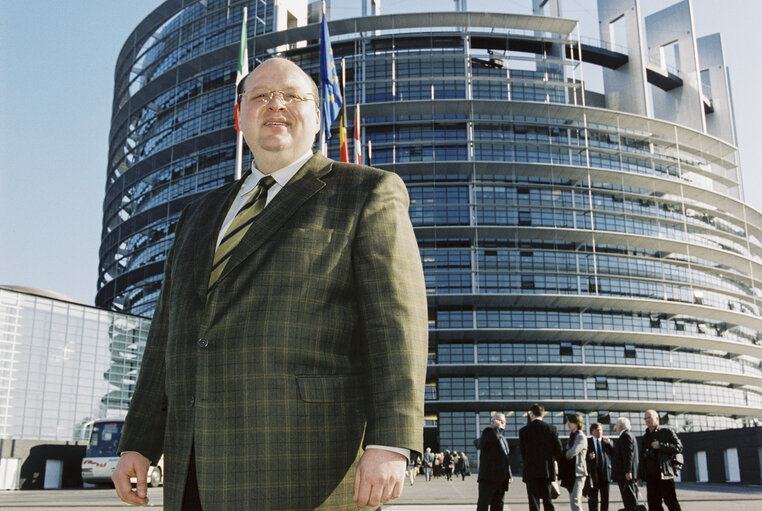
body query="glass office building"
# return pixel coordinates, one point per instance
(63, 363)
(587, 249)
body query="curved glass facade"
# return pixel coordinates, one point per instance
(594, 259)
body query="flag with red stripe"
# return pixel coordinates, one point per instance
(344, 143)
(358, 145)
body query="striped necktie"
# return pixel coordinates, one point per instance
(241, 223)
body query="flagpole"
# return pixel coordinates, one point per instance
(243, 71)
(323, 143)
(344, 90)
(239, 156)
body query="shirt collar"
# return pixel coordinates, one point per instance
(281, 176)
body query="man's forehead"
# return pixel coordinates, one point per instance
(280, 74)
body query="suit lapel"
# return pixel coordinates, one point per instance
(305, 183)
(209, 221)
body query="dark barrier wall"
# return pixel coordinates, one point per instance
(34, 455)
(32, 473)
(747, 441)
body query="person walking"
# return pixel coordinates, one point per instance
(599, 454)
(412, 468)
(462, 466)
(540, 448)
(428, 463)
(292, 296)
(576, 451)
(656, 469)
(624, 465)
(438, 457)
(495, 473)
(448, 464)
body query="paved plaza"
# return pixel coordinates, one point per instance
(460, 495)
(437, 495)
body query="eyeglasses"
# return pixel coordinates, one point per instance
(266, 97)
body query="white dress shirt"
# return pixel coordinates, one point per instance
(281, 176)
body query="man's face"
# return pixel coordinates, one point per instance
(275, 130)
(498, 422)
(597, 433)
(651, 420)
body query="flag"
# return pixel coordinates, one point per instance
(243, 66)
(329, 82)
(358, 146)
(343, 142)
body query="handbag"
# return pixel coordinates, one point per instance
(555, 489)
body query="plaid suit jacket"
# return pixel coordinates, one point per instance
(312, 345)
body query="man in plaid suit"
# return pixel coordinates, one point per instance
(292, 378)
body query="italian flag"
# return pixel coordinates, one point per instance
(243, 64)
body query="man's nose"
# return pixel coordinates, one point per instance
(276, 102)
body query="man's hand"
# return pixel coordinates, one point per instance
(628, 476)
(379, 478)
(132, 464)
(655, 444)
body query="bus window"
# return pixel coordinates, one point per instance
(104, 439)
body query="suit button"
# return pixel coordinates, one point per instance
(203, 342)
(192, 400)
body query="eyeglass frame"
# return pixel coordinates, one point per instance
(266, 97)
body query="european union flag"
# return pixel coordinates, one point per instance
(330, 89)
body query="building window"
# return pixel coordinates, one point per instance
(732, 469)
(601, 383)
(566, 349)
(630, 351)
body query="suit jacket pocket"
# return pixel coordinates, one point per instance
(309, 235)
(330, 388)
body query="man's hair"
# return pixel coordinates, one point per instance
(576, 418)
(313, 86)
(594, 426)
(624, 422)
(496, 416)
(537, 410)
(654, 414)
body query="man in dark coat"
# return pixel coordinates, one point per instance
(624, 466)
(494, 466)
(540, 447)
(600, 452)
(656, 468)
(448, 464)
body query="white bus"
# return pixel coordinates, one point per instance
(100, 458)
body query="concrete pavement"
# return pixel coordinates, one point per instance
(458, 495)
(438, 495)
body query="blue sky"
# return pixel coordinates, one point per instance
(57, 62)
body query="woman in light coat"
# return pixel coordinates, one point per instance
(576, 450)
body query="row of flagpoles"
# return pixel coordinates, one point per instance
(332, 106)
